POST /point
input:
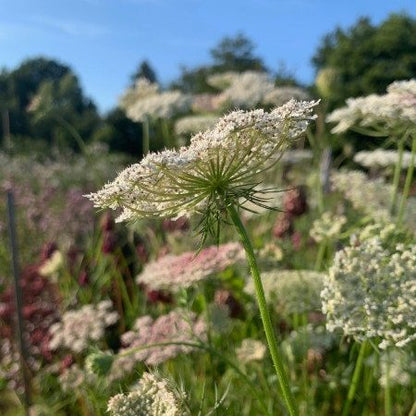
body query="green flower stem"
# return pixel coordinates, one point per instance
(355, 379)
(413, 410)
(396, 176)
(320, 255)
(146, 136)
(387, 389)
(264, 312)
(408, 182)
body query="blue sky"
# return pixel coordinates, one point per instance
(104, 40)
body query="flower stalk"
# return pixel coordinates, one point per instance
(264, 312)
(355, 379)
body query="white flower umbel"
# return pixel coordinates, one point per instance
(246, 90)
(153, 396)
(175, 273)
(327, 227)
(218, 167)
(371, 196)
(389, 114)
(195, 123)
(380, 158)
(83, 327)
(144, 101)
(370, 293)
(291, 291)
(250, 350)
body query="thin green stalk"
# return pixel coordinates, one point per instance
(165, 133)
(146, 136)
(413, 410)
(264, 312)
(355, 379)
(320, 255)
(387, 389)
(396, 176)
(408, 183)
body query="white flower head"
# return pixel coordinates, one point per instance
(220, 166)
(389, 114)
(154, 396)
(370, 291)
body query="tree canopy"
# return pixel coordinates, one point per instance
(366, 58)
(232, 53)
(44, 100)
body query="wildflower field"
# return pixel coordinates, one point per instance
(252, 262)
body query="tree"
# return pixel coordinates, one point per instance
(61, 114)
(144, 70)
(120, 133)
(236, 54)
(365, 58)
(43, 100)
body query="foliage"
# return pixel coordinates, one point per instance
(144, 70)
(232, 53)
(366, 58)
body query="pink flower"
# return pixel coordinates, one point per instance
(172, 272)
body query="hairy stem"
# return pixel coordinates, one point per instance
(264, 312)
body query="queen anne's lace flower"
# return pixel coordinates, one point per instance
(195, 124)
(370, 292)
(153, 397)
(79, 328)
(145, 101)
(389, 114)
(371, 196)
(219, 166)
(251, 350)
(291, 291)
(380, 158)
(174, 273)
(327, 227)
(177, 326)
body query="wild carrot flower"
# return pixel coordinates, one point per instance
(370, 292)
(154, 396)
(327, 227)
(145, 101)
(174, 273)
(291, 291)
(218, 167)
(80, 328)
(371, 196)
(389, 114)
(251, 350)
(175, 327)
(195, 123)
